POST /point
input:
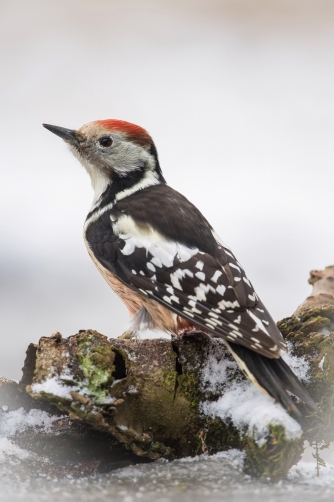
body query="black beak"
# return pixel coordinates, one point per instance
(66, 134)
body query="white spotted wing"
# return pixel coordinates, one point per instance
(211, 292)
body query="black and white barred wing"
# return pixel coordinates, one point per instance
(213, 294)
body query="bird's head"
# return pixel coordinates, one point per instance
(113, 152)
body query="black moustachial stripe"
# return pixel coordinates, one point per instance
(117, 185)
(120, 183)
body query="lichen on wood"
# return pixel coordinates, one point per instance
(145, 394)
(63, 447)
(310, 335)
(150, 396)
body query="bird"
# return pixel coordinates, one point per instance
(164, 260)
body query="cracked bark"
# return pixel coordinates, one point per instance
(144, 398)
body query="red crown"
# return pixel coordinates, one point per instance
(134, 132)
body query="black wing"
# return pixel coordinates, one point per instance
(159, 244)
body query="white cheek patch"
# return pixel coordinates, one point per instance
(123, 158)
(127, 156)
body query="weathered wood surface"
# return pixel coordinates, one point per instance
(310, 333)
(144, 397)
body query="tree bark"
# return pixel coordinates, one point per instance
(147, 395)
(310, 335)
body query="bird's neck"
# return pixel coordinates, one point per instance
(108, 191)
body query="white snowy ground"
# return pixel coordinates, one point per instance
(215, 478)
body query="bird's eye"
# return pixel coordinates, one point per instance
(105, 141)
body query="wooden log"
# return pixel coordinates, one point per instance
(151, 396)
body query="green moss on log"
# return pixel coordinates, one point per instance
(311, 337)
(97, 364)
(148, 396)
(272, 458)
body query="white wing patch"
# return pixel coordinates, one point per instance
(193, 283)
(163, 251)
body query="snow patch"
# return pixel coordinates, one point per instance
(306, 473)
(245, 405)
(250, 408)
(321, 364)
(150, 334)
(62, 386)
(132, 390)
(122, 427)
(234, 456)
(55, 386)
(10, 449)
(15, 422)
(299, 365)
(216, 372)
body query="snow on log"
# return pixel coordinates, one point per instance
(170, 399)
(163, 399)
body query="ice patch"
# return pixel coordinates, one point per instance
(131, 355)
(16, 422)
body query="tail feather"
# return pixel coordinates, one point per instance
(273, 376)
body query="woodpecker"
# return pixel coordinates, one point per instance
(164, 260)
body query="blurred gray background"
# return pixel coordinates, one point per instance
(238, 96)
